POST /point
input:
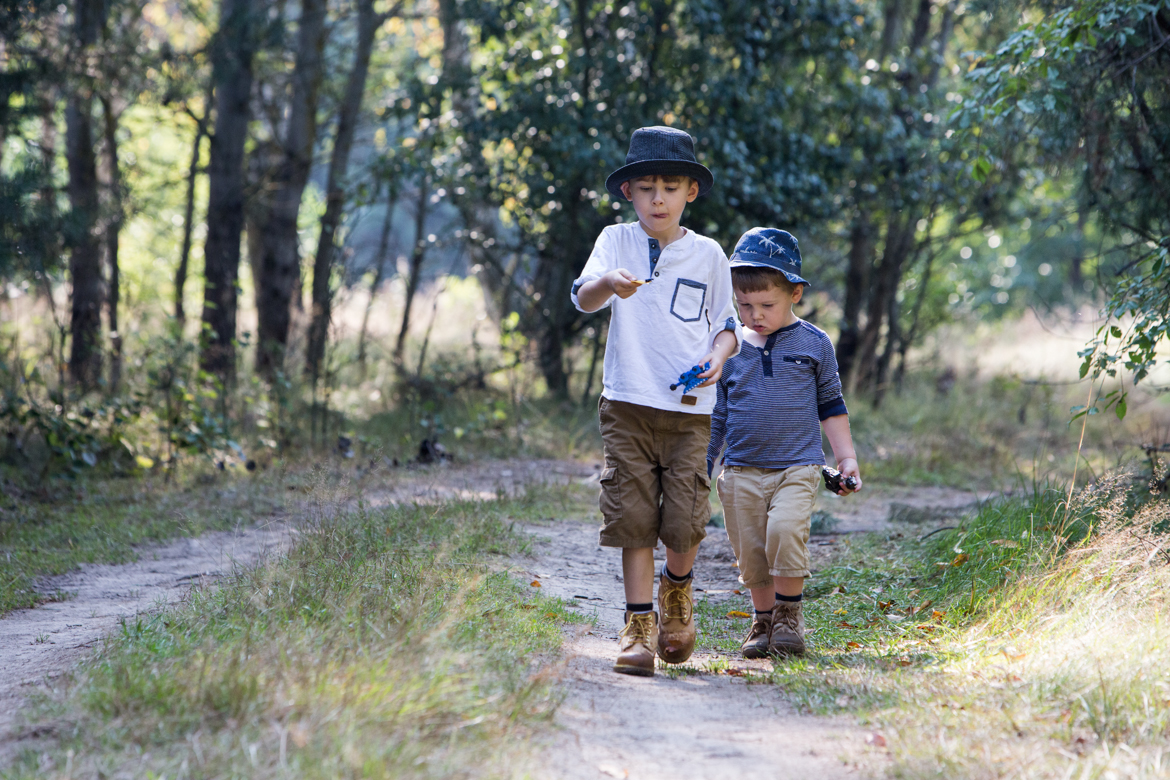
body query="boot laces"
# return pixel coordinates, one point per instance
(759, 628)
(677, 604)
(786, 619)
(639, 628)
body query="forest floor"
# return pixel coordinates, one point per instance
(608, 725)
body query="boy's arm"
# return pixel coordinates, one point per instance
(840, 439)
(726, 332)
(594, 294)
(718, 427)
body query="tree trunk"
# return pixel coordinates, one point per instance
(85, 358)
(417, 255)
(189, 211)
(113, 235)
(860, 250)
(335, 189)
(915, 318)
(280, 262)
(232, 75)
(379, 274)
(883, 286)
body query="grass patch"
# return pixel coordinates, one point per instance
(388, 643)
(53, 529)
(1033, 641)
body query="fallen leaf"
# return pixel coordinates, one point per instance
(841, 612)
(875, 739)
(550, 614)
(738, 614)
(872, 623)
(914, 592)
(535, 583)
(885, 605)
(925, 627)
(1013, 656)
(838, 589)
(903, 661)
(937, 615)
(960, 559)
(843, 624)
(734, 672)
(920, 607)
(853, 644)
(527, 606)
(737, 592)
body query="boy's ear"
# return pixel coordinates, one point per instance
(693, 192)
(626, 190)
(797, 294)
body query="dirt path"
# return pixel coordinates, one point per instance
(38, 645)
(611, 725)
(707, 722)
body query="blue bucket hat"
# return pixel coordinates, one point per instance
(769, 248)
(660, 151)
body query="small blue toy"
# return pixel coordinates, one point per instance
(690, 380)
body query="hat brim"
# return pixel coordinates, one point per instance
(696, 171)
(742, 260)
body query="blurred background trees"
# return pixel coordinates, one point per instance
(940, 161)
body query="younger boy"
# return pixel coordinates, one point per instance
(770, 397)
(669, 293)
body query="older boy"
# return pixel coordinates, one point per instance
(771, 396)
(669, 293)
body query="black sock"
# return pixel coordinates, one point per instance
(635, 608)
(790, 599)
(672, 576)
(762, 612)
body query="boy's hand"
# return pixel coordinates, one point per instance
(848, 468)
(724, 345)
(716, 358)
(622, 283)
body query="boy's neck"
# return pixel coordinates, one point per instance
(760, 339)
(664, 237)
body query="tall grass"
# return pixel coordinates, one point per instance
(1032, 641)
(388, 643)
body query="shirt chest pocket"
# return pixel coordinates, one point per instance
(688, 300)
(801, 361)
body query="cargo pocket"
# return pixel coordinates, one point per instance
(611, 495)
(701, 512)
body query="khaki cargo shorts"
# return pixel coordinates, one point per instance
(655, 484)
(768, 514)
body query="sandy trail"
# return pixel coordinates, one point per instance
(38, 645)
(611, 725)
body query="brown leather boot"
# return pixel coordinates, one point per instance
(676, 637)
(787, 629)
(755, 644)
(639, 643)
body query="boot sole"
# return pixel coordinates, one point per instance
(636, 671)
(780, 652)
(754, 654)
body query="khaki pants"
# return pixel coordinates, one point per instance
(655, 484)
(768, 514)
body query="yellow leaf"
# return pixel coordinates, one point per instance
(535, 583)
(937, 615)
(853, 644)
(960, 559)
(550, 614)
(144, 462)
(841, 612)
(738, 614)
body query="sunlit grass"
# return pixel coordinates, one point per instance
(388, 643)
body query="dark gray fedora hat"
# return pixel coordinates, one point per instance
(660, 151)
(769, 248)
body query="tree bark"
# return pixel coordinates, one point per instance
(860, 250)
(232, 75)
(417, 255)
(189, 210)
(335, 189)
(85, 358)
(883, 286)
(379, 274)
(113, 236)
(280, 261)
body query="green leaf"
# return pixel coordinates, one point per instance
(979, 169)
(1120, 409)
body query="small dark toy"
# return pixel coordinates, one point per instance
(835, 480)
(690, 380)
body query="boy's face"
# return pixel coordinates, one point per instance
(659, 200)
(769, 310)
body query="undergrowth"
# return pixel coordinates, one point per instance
(1030, 641)
(388, 643)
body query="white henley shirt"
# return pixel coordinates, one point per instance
(664, 328)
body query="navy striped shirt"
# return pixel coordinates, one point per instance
(770, 401)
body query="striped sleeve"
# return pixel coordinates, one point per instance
(830, 402)
(718, 426)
